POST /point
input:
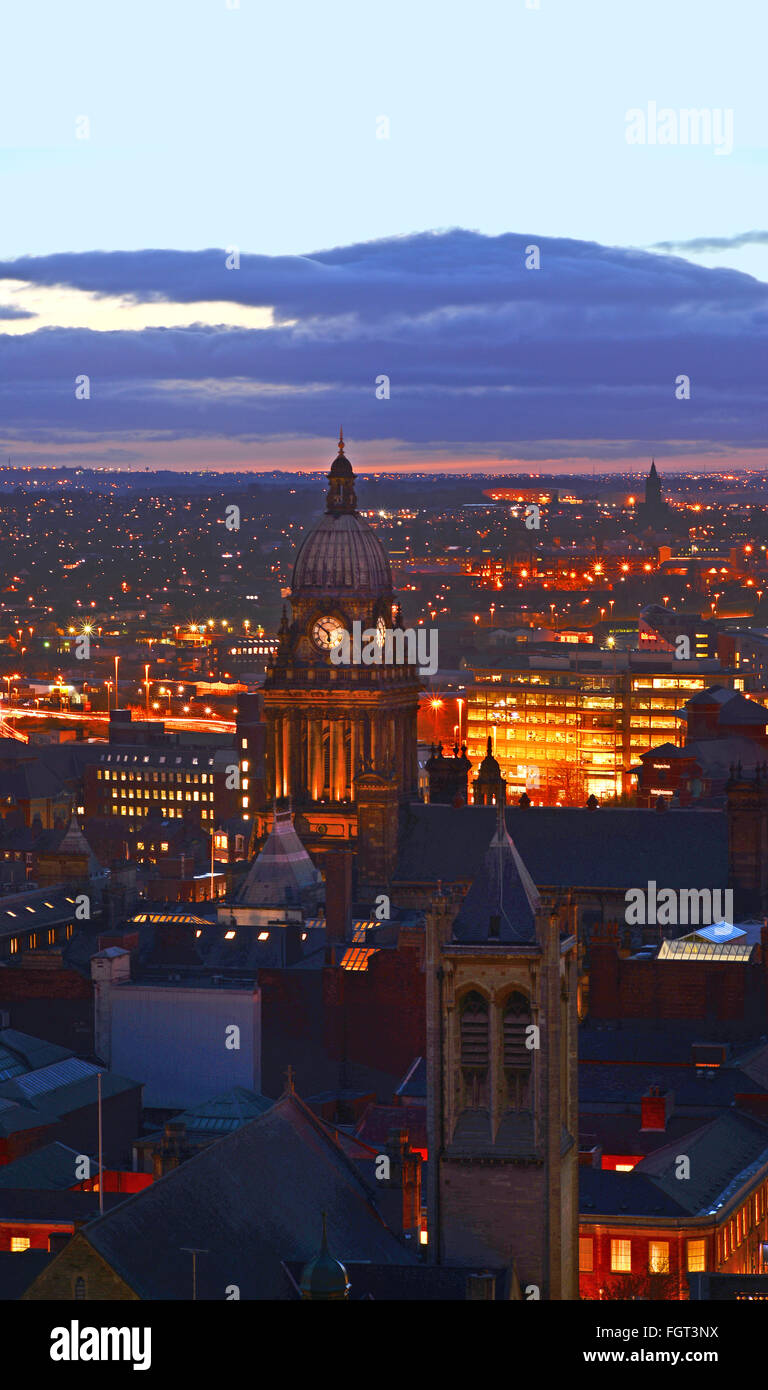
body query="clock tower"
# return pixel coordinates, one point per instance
(328, 722)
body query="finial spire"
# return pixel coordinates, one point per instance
(290, 1089)
(341, 439)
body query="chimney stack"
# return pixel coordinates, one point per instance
(338, 896)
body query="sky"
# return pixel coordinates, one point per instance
(247, 224)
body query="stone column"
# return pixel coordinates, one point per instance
(286, 790)
(494, 1068)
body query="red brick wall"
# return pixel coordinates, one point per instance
(378, 1016)
(37, 1235)
(372, 1019)
(626, 988)
(603, 1277)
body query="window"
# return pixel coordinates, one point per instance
(621, 1256)
(80, 1287)
(586, 1261)
(517, 1056)
(19, 1243)
(697, 1256)
(658, 1257)
(473, 1033)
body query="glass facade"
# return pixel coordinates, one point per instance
(563, 735)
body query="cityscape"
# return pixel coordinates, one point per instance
(383, 675)
(254, 900)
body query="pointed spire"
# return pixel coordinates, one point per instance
(341, 439)
(290, 1089)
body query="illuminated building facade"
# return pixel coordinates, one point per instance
(326, 723)
(567, 727)
(144, 771)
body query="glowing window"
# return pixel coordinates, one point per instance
(621, 1256)
(586, 1257)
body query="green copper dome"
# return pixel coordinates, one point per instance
(323, 1277)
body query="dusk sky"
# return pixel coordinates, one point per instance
(380, 172)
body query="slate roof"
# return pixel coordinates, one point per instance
(606, 1193)
(621, 1134)
(282, 872)
(47, 907)
(720, 1152)
(51, 1167)
(38, 1207)
(18, 1270)
(19, 1052)
(702, 1088)
(503, 892)
(250, 1201)
(40, 1082)
(220, 1115)
(568, 846)
(408, 1283)
(414, 1083)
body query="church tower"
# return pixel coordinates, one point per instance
(326, 722)
(653, 498)
(502, 1081)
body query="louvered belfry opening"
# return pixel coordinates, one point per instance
(474, 1050)
(517, 1056)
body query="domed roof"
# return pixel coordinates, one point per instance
(341, 552)
(324, 1277)
(490, 770)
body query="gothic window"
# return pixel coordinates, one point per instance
(474, 1050)
(517, 1056)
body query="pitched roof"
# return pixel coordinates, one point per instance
(603, 1192)
(721, 1154)
(51, 1167)
(18, 1270)
(250, 1201)
(414, 1083)
(502, 892)
(568, 846)
(282, 872)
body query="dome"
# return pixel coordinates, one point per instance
(324, 1277)
(490, 770)
(341, 553)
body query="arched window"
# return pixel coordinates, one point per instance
(474, 1050)
(79, 1287)
(517, 1055)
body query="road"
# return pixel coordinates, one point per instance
(197, 726)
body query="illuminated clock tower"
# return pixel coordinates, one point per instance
(329, 724)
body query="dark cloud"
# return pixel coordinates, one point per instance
(715, 243)
(10, 311)
(481, 353)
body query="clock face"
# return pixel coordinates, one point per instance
(327, 633)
